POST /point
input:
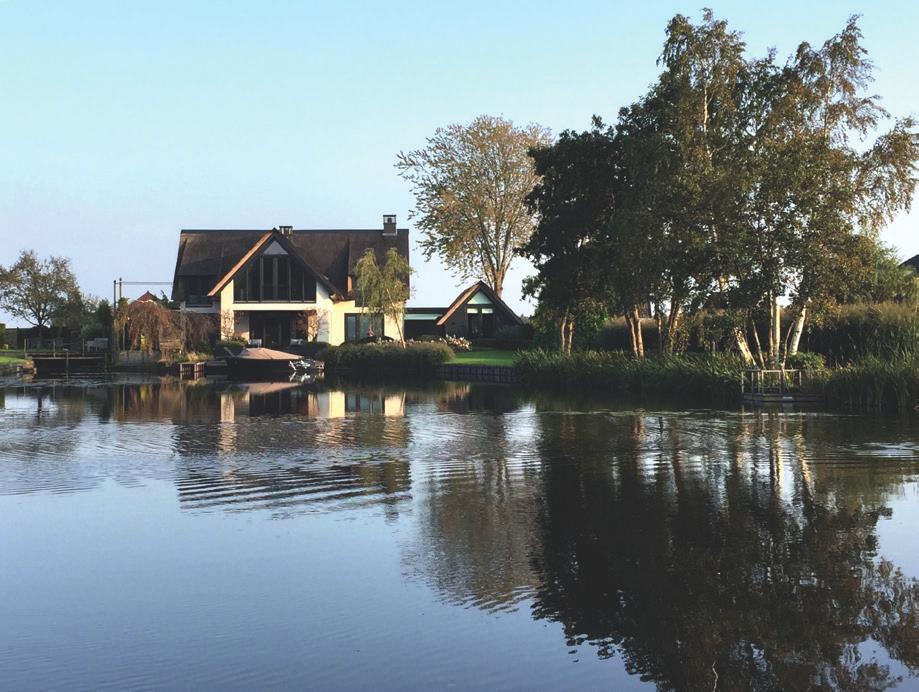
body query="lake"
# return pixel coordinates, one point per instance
(157, 534)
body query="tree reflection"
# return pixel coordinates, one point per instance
(697, 568)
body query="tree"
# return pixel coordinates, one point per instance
(384, 290)
(573, 200)
(470, 184)
(37, 290)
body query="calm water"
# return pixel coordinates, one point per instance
(205, 535)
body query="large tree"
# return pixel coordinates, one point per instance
(470, 184)
(37, 290)
(384, 289)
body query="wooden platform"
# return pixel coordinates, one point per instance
(764, 387)
(67, 364)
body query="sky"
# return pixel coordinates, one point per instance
(124, 122)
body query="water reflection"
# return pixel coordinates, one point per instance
(700, 550)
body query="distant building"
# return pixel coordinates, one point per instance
(912, 262)
(476, 313)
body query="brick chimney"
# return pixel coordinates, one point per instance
(389, 224)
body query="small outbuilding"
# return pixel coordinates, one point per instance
(476, 313)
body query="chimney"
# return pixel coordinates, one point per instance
(286, 231)
(389, 224)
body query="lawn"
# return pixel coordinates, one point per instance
(11, 358)
(484, 356)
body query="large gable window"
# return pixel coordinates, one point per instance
(361, 325)
(274, 278)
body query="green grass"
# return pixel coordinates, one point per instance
(484, 356)
(11, 358)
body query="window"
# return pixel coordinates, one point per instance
(196, 288)
(274, 278)
(358, 326)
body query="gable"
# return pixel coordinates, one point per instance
(480, 298)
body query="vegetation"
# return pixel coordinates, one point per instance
(875, 384)
(735, 181)
(384, 290)
(700, 379)
(150, 326)
(470, 184)
(853, 333)
(36, 290)
(380, 360)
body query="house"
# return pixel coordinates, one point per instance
(476, 313)
(912, 262)
(147, 297)
(271, 286)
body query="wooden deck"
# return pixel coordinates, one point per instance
(65, 364)
(760, 387)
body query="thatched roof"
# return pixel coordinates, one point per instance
(465, 296)
(332, 254)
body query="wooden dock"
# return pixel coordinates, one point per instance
(66, 364)
(780, 386)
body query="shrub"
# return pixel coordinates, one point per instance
(515, 337)
(93, 330)
(701, 379)
(803, 360)
(874, 384)
(887, 331)
(388, 359)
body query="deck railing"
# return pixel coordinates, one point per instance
(778, 381)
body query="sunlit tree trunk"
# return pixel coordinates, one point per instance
(795, 331)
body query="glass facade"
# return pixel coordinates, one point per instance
(274, 279)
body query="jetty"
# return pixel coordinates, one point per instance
(780, 386)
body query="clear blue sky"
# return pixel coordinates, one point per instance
(123, 122)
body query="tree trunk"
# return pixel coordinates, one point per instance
(671, 324)
(759, 348)
(563, 326)
(777, 332)
(633, 338)
(795, 331)
(743, 346)
(570, 335)
(639, 340)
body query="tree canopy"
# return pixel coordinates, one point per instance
(734, 184)
(470, 184)
(37, 290)
(383, 289)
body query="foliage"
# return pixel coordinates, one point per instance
(37, 290)
(700, 379)
(150, 326)
(735, 180)
(514, 337)
(470, 183)
(852, 333)
(804, 360)
(876, 384)
(384, 290)
(418, 359)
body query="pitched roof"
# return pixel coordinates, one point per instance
(912, 262)
(466, 295)
(330, 254)
(147, 297)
